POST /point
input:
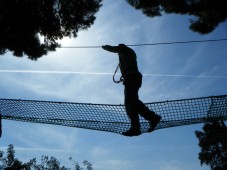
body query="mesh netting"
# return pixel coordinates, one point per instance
(113, 118)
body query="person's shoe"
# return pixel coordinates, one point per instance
(132, 132)
(154, 122)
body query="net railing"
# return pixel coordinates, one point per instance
(113, 118)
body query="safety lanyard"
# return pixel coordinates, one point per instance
(121, 78)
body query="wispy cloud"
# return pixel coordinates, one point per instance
(203, 75)
(176, 165)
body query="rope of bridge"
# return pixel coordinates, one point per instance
(112, 118)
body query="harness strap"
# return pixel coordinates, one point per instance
(121, 78)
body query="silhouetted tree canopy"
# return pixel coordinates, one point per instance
(207, 14)
(32, 27)
(10, 162)
(213, 144)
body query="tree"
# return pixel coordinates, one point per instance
(47, 163)
(33, 27)
(86, 163)
(207, 14)
(213, 144)
(10, 162)
(10, 155)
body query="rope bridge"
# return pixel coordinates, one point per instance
(112, 118)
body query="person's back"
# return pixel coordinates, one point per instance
(127, 58)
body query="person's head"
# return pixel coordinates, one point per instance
(122, 45)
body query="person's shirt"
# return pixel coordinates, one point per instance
(127, 59)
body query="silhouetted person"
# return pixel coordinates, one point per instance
(132, 80)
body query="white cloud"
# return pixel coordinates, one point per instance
(40, 137)
(117, 163)
(98, 152)
(177, 165)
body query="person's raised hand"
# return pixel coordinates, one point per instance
(106, 47)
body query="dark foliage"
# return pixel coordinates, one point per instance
(206, 14)
(213, 144)
(47, 163)
(32, 27)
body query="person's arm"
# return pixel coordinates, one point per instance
(114, 49)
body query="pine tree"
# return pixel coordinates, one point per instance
(213, 144)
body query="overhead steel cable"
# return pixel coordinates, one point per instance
(152, 44)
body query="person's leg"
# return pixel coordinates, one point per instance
(149, 115)
(131, 97)
(134, 117)
(134, 106)
(139, 107)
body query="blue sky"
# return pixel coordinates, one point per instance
(117, 22)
